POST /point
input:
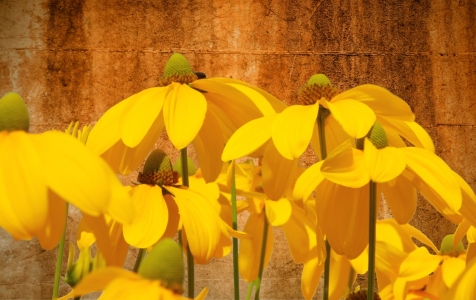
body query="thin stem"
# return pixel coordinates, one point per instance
(234, 223)
(190, 262)
(59, 259)
(350, 282)
(263, 253)
(139, 258)
(321, 123)
(250, 289)
(372, 230)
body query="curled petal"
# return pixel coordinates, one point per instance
(418, 264)
(401, 196)
(385, 164)
(310, 277)
(308, 181)
(278, 212)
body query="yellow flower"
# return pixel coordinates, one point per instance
(205, 112)
(341, 181)
(163, 207)
(42, 171)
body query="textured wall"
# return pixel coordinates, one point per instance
(73, 59)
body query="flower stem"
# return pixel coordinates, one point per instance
(234, 223)
(250, 289)
(321, 123)
(263, 253)
(139, 258)
(190, 262)
(59, 259)
(372, 230)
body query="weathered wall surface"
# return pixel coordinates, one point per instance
(73, 59)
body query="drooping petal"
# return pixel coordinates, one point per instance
(385, 164)
(278, 212)
(468, 205)
(452, 267)
(120, 206)
(464, 288)
(292, 129)
(335, 134)
(339, 277)
(401, 196)
(200, 221)
(209, 144)
(278, 173)
(184, 112)
(355, 118)
(258, 98)
(435, 173)
(418, 264)
(411, 131)
(248, 138)
(346, 166)
(308, 181)
(250, 249)
(50, 235)
(151, 216)
(22, 186)
(380, 100)
(140, 114)
(311, 274)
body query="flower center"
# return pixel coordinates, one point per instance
(317, 87)
(377, 136)
(158, 170)
(446, 247)
(178, 69)
(361, 295)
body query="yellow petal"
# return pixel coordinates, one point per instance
(413, 232)
(380, 100)
(468, 205)
(464, 288)
(200, 221)
(248, 138)
(308, 181)
(278, 212)
(120, 206)
(50, 235)
(292, 129)
(278, 173)
(151, 217)
(127, 289)
(258, 98)
(335, 134)
(250, 249)
(419, 264)
(184, 113)
(385, 164)
(356, 118)
(435, 174)
(346, 166)
(209, 144)
(411, 131)
(401, 196)
(311, 274)
(339, 277)
(140, 114)
(460, 232)
(452, 267)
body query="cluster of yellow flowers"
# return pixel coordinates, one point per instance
(368, 145)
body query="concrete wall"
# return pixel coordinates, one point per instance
(73, 59)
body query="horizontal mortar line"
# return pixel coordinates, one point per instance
(455, 125)
(249, 52)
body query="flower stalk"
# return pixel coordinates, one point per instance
(263, 253)
(139, 258)
(234, 223)
(372, 233)
(59, 259)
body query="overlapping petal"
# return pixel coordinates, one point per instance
(385, 164)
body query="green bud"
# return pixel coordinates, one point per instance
(447, 245)
(157, 161)
(190, 166)
(13, 113)
(319, 79)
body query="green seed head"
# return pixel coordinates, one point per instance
(319, 79)
(13, 113)
(157, 161)
(377, 136)
(317, 87)
(177, 69)
(165, 263)
(446, 247)
(190, 166)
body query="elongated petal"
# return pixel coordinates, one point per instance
(293, 128)
(200, 221)
(278, 212)
(385, 164)
(250, 249)
(151, 217)
(356, 118)
(413, 232)
(258, 98)
(411, 131)
(346, 166)
(419, 264)
(248, 138)
(50, 235)
(278, 173)
(74, 172)
(120, 206)
(21, 186)
(339, 277)
(401, 196)
(464, 288)
(468, 205)
(380, 100)
(308, 181)
(452, 267)
(335, 134)
(435, 173)
(140, 114)
(184, 113)
(311, 274)
(209, 144)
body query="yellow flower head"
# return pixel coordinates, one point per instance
(204, 112)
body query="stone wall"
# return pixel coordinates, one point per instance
(73, 59)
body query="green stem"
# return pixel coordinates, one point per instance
(321, 123)
(59, 259)
(263, 253)
(250, 290)
(139, 258)
(350, 282)
(234, 223)
(190, 262)
(372, 231)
